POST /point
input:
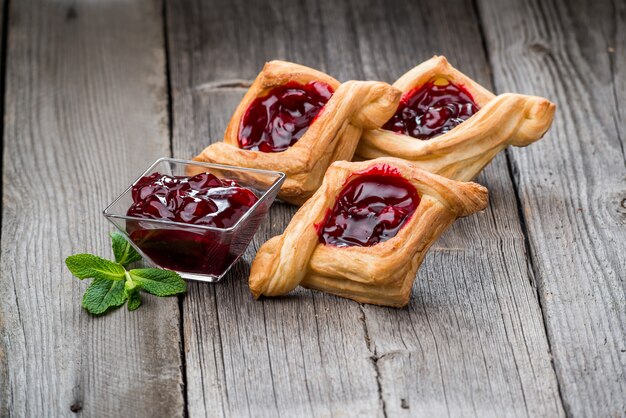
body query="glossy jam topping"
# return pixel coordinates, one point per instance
(432, 109)
(203, 200)
(371, 208)
(278, 120)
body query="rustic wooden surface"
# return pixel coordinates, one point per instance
(86, 111)
(476, 321)
(517, 311)
(572, 189)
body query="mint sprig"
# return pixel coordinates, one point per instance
(113, 284)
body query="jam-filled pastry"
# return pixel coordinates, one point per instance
(298, 120)
(451, 125)
(365, 232)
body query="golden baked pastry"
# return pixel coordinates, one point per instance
(365, 232)
(298, 120)
(451, 125)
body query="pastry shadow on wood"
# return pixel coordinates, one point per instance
(382, 273)
(332, 135)
(462, 152)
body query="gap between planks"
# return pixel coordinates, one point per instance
(529, 256)
(170, 135)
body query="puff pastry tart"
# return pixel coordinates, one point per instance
(451, 125)
(365, 231)
(298, 120)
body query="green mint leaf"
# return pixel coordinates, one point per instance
(86, 266)
(159, 282)
(103, 294)
(134, 300)
(123, 251)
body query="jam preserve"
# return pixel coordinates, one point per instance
(201, 200)
(371, 208)
(278, 120)
(432, 109)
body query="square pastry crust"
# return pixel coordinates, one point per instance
(461, 153)
(333, 135)
(381, 274)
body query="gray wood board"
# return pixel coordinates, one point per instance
(304, 355)
(472, 341)
(86, 112)
(572, 188)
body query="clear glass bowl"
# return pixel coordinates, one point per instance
(196, 252)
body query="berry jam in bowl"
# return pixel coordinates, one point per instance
(194, 218)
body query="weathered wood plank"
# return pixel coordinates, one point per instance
(472, 341)
(86, 112)
(302, 356)
(4, 371)
(572, 187)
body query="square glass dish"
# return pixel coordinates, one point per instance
(196, 252)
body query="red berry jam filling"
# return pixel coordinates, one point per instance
(278, 120)
(201, 200)
(432, 109)
(371, 208)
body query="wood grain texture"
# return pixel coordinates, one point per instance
(86, 112)
(300, 356)
(572, 187)
(472, 341)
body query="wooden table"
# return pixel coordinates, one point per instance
(517, 311)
